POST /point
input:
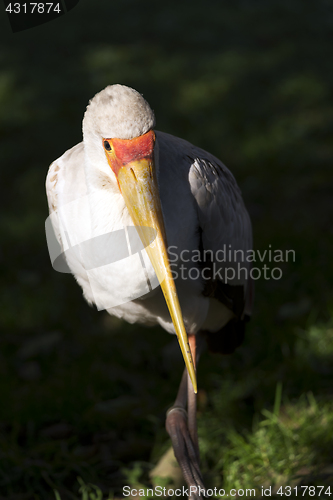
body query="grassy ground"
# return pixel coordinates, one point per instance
(84, 396)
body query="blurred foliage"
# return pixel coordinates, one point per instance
(84, 395)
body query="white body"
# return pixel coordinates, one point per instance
(200, 200)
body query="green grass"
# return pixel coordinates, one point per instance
(87, 491)
(289, 447)
(83, 395)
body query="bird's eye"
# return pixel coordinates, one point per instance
(107, 146)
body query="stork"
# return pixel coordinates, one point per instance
(189, 216)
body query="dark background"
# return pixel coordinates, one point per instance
(84, 395)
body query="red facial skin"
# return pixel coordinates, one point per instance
(127, 150)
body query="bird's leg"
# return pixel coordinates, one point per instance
(182, 429)
(192, 401)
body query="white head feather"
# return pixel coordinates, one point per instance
(116, 112)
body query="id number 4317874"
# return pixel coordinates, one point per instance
(33, 8)
(301, 491)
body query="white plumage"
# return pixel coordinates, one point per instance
(199, 197)
(88, 192)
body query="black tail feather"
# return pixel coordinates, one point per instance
(226, 340)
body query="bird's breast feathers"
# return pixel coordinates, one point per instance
(200, 203)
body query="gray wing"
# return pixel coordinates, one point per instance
(222, 220)
(225, 231)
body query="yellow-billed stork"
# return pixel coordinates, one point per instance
(190, 218)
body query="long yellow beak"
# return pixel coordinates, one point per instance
(138, 184)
